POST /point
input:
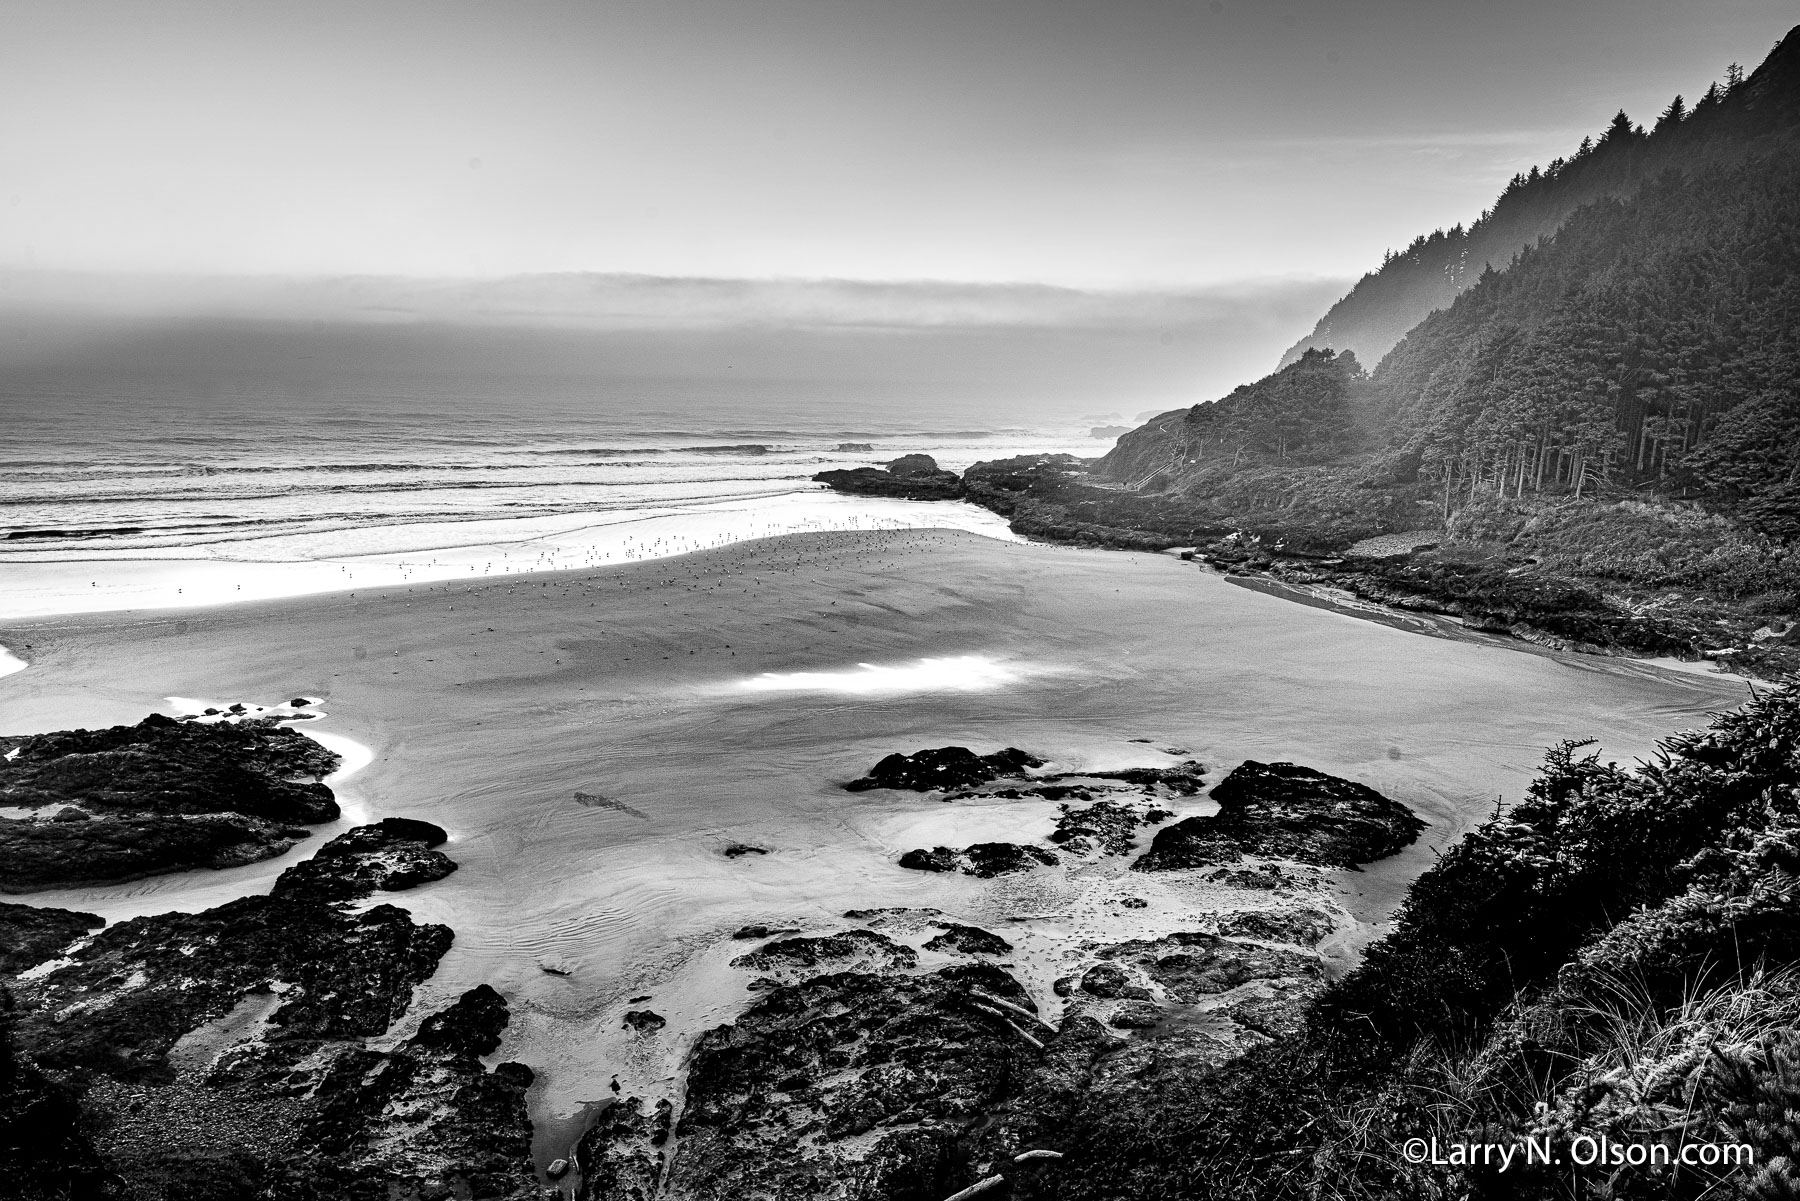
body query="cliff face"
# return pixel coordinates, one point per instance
(1754, 116)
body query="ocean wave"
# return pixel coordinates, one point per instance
(604, 452)
(52, 501)
(202, 533)
(112, 531)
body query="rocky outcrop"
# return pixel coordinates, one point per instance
(392, 855)
(335, 1119)
(644, 1021)
(138, 987)
(1192, 966)
(910, 477)
(943, 768)
(36, 853)
(161, 765)
(967, 940)
(849, 1081)
(1186, 778)
(160, 796)
(1285, 811)
(45, 1155)
(984, 859)
(1105, 827)
(796, 958)
(1303, 927)
(620, 1156)
(29, 935)
(225, 1052)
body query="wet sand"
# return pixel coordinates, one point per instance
(488, 707)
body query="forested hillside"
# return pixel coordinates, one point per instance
(1735, 118)
(1650, 347)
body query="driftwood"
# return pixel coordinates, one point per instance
(982, 1186)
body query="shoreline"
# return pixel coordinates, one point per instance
(282, 567)
(1443, 625)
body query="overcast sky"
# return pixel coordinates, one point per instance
(1100, 143)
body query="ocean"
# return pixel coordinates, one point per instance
(206, 437)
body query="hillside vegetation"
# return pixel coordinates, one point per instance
(1737, 117)
(1617, 957)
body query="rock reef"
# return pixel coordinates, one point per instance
(1285, 811)
(227, 1052)
(910, 477)
(983, 859)
(160, 796)
(943, 768)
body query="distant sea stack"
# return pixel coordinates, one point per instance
(910, 477)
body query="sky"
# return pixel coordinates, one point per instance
(1100, 144)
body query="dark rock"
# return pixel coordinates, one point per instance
(1106, 980)
(944, 768)
(759, 931)
(146, 982)
(280, 1095)
(1265, 876)
(1134, 903)
(845, 448)
(390, 856)
(905, 478)
(1184, 779)
(984, 859)
(1282, 810)
(165, 795)
(163, 766)
(968, 940)
(470, 1027)
(1304, 927)
(1105, 826)
(851, 948)
(299, 702)
(937, 859)
(357, 1122)
(912, 465)
(738, 850)
(618, 1157)
(850, 1076)
(1136, 1015)
(644, 1021)
(1190, 966)
(29, 935)
(1194, 842)
(45, 1153)
(36, 854)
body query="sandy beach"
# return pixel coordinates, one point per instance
(725, 696)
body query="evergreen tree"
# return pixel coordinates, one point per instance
(1672, 116)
